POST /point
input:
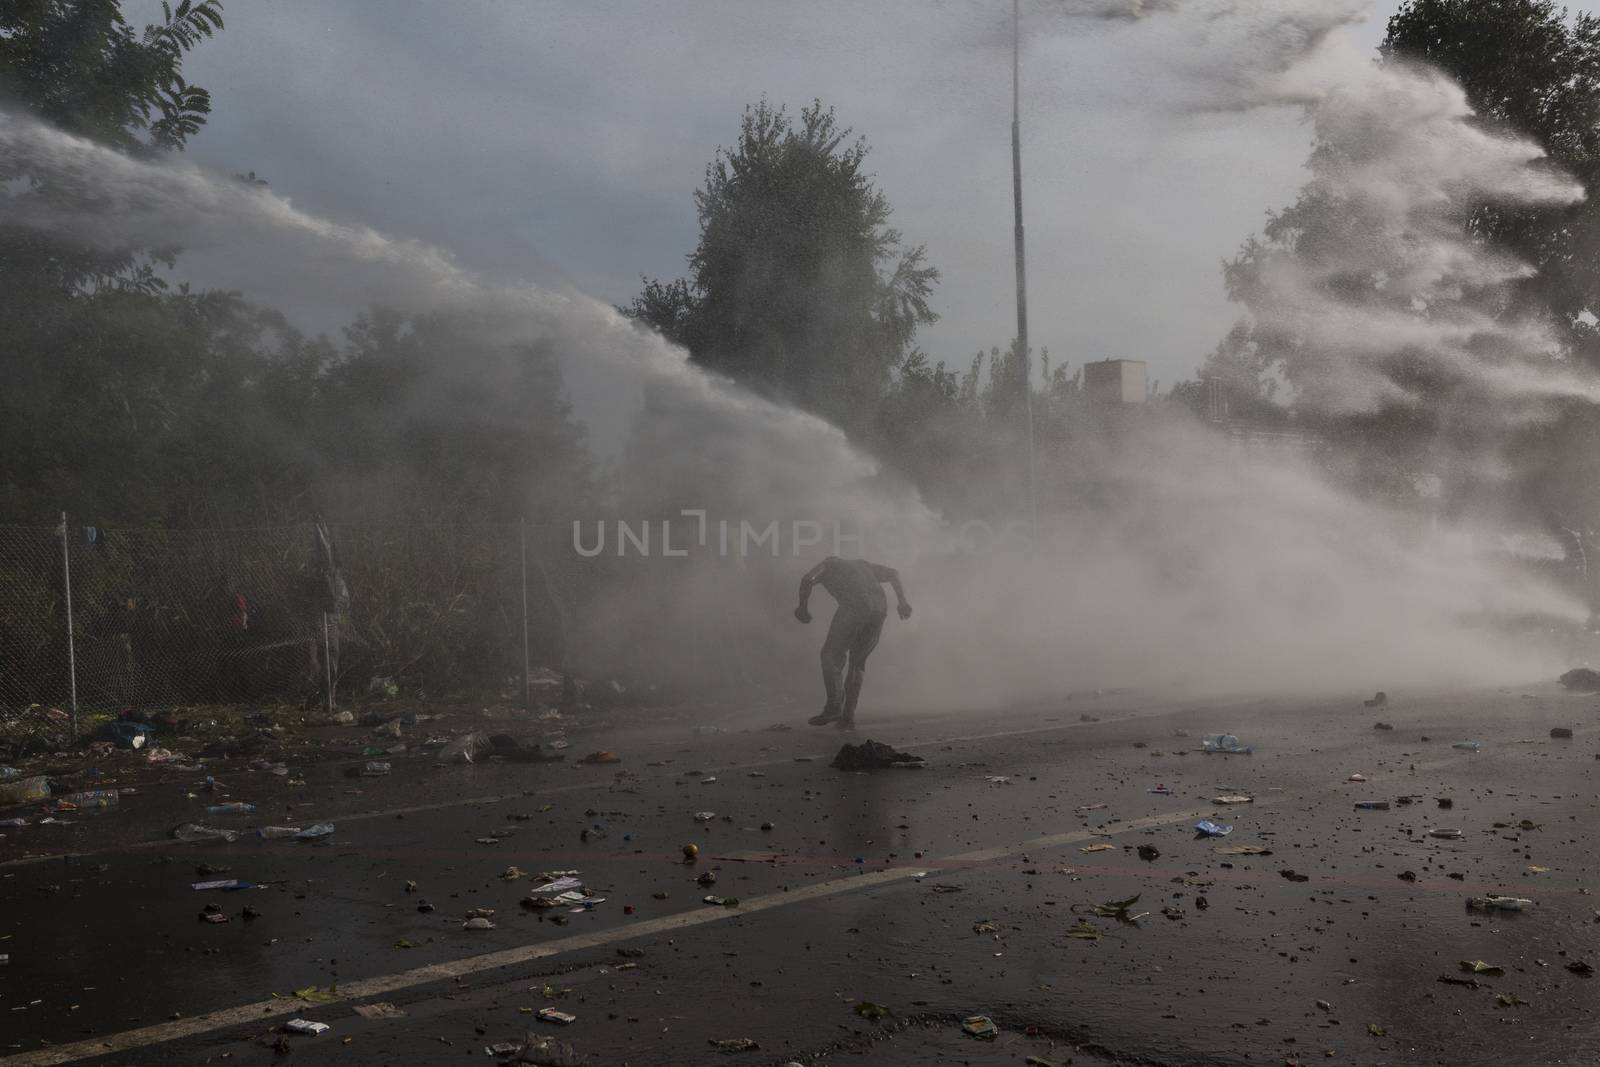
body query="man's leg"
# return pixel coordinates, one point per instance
(835, 651)
(863, 641)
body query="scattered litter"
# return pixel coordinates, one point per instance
(735, 1044)
(1494, 903)
(306, 1026)
(980, 1026)
(873, 755)
(1356, 778)
(232, 807)
(1227, 743)
(24, 790)
(1295, 876)
(1481, 967)
(1102, 847)
(872, 1012)
(311, 833)
(1243, 850)
(997, 779)
(704, 816)
(314, 995)
(1372, 805)
(1468, 746)
(381, 1009)
(465, 749)
(562, 884)
(274, 833)
(721, 902)
(1160, 790)
(984, 926)
(478, 923)
(601, 757)
(555, 1015)
(1232, 798)
(1084, 931)
(1447, 834)
(503, 1050)
(1120, 910)
(1207, 828)
(193, 831)
(1090, 807)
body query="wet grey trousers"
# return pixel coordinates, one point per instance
(852, 636)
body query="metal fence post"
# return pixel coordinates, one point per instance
(523, 525)
(72, 655)
(327, 661)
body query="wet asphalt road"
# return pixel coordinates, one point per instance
(832, 909)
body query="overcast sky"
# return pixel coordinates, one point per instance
(564, 140)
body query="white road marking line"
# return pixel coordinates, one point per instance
(369, 987)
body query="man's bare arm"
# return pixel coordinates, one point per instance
(892, 576)
(807, 581)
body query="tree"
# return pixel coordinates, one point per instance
(1529, 69)
(798, 287)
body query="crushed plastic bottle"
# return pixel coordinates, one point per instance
(92, 799)
(311, 833)
(272, 833)
(1498, 903)
(232, 807)
(1223, 743)
(193, 831)
(1467, 746)
(376, 769)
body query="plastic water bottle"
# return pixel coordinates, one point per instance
(272, 833)
(193, 831)
(232, 807)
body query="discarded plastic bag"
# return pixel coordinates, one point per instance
(24, 790)
(1207, 828)
(465, 749)
(980, 1026)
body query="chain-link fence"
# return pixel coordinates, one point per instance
(96, 621)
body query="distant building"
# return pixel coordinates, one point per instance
(1116, 381)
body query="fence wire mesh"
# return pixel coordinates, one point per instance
(165, 618)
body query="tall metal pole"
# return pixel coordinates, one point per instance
(524, 528)
(1022, 273)
(72, 655)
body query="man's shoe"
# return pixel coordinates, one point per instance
(825, 718)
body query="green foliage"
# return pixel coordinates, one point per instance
(1528, 68)
(798, 287)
